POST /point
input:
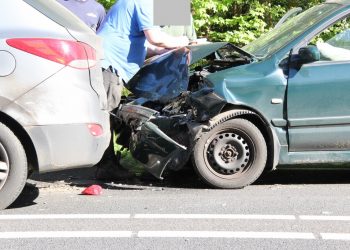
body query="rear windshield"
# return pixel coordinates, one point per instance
(58, 14)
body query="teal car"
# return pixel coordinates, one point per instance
(281, 100)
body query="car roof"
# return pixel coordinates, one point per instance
(342, 2)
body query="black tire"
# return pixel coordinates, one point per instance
(13, 167)
(231, 155)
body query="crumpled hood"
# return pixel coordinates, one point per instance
(164, 77)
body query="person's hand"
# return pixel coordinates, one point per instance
(161, 39)
(189, 56)
(161, 51)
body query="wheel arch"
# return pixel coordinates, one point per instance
(24, 138)
(231, 111)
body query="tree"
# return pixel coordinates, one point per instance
(237, 21)
(240, 21)
(107, 3)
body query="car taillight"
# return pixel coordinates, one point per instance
(95, 129)
(70, 53)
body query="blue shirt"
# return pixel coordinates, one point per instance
(123, 36)
(89, 11)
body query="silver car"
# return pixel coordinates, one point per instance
(52, 99)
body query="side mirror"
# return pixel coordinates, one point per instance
(309, 54)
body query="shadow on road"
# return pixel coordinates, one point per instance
(84, 177)
(27, 197)
(187, 178)
(305, 176)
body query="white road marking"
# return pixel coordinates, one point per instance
(63, 216)
(173, 234)
(155, 234)
(224, 234)
(324, 218)
(333, 236)
(216, 216)
(174, 216)
(65, 234)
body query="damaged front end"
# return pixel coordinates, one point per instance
(172, 104)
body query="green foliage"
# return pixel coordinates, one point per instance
(335, 29)
(237, 21)
(107, 3)
(240, 21)
(332, 31)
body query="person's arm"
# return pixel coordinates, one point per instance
(144, 17)
(101, 16)
(155, 50)
(190, 32)
(159, 39)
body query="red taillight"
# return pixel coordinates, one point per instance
(70, 53)
(95, 129)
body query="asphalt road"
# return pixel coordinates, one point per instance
(284, 210)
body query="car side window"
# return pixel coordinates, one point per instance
(334, 42)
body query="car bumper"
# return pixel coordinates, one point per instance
(55, 115)
(68, 146)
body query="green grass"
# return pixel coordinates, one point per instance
(127, 161)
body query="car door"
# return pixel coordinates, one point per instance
(318, 106)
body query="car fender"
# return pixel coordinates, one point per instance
(269, 132)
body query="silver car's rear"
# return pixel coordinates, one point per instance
(52, 97)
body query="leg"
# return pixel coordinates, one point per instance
(109, 166)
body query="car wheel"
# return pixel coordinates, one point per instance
(231, 155)
(13, 167)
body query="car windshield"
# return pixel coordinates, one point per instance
(276, 39)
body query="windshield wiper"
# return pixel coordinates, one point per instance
(244, 53)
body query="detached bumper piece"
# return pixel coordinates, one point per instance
(148, 143)
(154, 149)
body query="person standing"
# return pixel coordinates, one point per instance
(90, 12)
(125, 29)
(174, 30)
(188, 31)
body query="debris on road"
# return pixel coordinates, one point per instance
(92, 190)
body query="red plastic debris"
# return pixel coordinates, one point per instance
(92, 190)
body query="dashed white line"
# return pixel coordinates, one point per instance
(65, 234)
(155, 234)
(172, 234)
(335, 236)
(216, 216)
(63, 216)
(174, 216)
(224, 234)
(324, 218)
